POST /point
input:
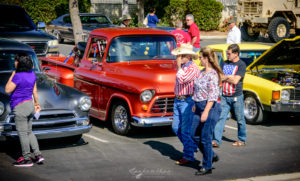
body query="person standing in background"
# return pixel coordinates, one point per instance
(234, 35)
(181, 36)
(152, 18)
(125, 20)
(194, 32)
(22, 86)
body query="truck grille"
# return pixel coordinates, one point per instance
(40, 48)
(163, 105)
(51, 120)
(295, 94)
(252, 7)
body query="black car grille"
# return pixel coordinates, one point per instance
(52, 120)
(295, 94)
(40, 48)
(163, 105)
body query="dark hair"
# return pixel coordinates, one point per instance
(24, 62)
(152, 10)
(234, 48)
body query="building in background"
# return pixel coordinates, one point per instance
(112, 8)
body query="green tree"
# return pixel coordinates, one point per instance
(207, 13)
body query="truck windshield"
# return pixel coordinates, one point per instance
(7, 60)
(139, 48)
(14, 19)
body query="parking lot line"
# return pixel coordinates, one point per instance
(95, 138)
(230, 127)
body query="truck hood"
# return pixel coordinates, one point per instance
(147, 75)
(51, 95)
(284, 54)
(27, 36)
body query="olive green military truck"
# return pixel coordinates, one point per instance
(275, 18)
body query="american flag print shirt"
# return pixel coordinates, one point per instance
(185, 79)
(228, 88)
(206, 86)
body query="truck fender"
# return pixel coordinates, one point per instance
(114, 97)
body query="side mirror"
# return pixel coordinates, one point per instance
(41, 25)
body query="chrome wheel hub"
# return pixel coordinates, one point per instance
(251, 108)
(121, 118)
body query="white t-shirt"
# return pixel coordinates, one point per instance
(234, 36)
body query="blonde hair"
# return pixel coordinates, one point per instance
(213, 60)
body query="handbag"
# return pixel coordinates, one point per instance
(145, 22)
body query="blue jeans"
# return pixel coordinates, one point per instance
(182, 126)
(203, 132)
(237, 103)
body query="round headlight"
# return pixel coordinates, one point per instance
(285, 95)
(85, 103)
(146, 96)
(2, 108)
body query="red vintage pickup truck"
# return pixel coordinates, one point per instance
(129, 73)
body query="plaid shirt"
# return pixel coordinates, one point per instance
(185, 79)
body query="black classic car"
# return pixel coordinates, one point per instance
(64, 112)
(62, 29)
(16, 24)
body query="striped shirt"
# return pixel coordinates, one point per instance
(185, 79)
(234, 68)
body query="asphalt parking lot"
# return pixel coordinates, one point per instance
(150, 154)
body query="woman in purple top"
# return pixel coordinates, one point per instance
(152, 18)
(22, 86)
(207, 110)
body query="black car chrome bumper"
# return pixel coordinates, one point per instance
(53, 133)
(48, 129)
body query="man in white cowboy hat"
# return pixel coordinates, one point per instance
(187, 72)
(125, 20)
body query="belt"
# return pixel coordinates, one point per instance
(183, 97)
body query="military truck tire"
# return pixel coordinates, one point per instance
(253, 111)
(246, 36)
(278, 29)
(120, 119)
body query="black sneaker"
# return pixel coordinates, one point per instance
(23, 163)
(215, 158)
(38, 159)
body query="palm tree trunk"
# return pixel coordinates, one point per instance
(76, 23)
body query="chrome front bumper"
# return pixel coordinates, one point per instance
(78, 126)
(152, 121)
(54, 133)
(286, 107)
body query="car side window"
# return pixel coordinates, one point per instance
(97, 49)
(67, 19)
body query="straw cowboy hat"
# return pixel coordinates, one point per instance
(184, 49)
(126, 17)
